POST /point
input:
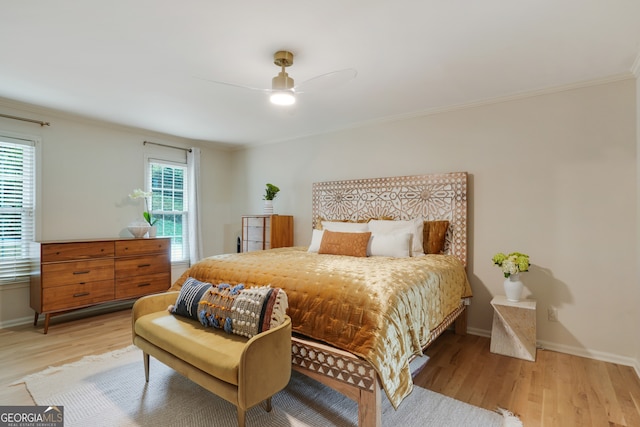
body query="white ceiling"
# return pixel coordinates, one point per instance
(141, 63)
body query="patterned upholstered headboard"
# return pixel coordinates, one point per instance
(432, 197)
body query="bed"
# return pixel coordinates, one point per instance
(359, 320)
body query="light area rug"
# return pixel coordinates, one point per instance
(110, 390)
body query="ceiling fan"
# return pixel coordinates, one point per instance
(283, 90)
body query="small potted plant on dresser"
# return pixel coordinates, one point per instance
(268, 230)
(270, 193)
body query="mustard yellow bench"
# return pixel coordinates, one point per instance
(243, 371)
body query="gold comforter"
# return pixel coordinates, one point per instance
(381, 309)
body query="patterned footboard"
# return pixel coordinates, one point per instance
(349, 374)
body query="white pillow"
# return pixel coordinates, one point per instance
(345, 227)
(316, 239)
(414, 226)
(396, 245)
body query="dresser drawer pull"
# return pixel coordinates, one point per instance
(144, 265)
(81, 294)
(82, 272)
(144, 284)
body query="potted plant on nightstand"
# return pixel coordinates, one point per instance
(270, 193)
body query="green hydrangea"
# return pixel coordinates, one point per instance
(499, 258)
(513, 263)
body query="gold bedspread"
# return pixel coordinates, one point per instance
(381, 309)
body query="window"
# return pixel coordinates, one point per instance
(168, 184)
(17, 208)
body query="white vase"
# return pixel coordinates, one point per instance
(268, 207)
(153, 231)
(138, 228)
(513, 287)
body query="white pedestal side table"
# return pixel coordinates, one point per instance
(514, 328)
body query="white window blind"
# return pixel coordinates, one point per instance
(17, 208)
(167, 182)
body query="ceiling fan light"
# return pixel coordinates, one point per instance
(283, 97)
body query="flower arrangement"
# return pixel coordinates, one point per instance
(139, 194)
(271, 192)
(513, 263)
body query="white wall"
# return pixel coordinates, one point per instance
(552, 175)
(88, 169)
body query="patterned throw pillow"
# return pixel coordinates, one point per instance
(241, 311)
(190, 295)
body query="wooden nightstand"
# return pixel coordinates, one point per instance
(514, 328)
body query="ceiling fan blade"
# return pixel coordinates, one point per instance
(235, 85)
(326, 81)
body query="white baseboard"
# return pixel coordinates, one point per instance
(575, 351)
(15, 322)
(479, 332)
(82, 312)
(590, 354)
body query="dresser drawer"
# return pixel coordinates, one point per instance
(257, 233)
(256, 222)
(72, 296)
(55, 252)
(142, 246)
(138, 286)
(252, 245)
(78, 272)
(142, 265)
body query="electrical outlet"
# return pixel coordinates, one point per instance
(552, 314)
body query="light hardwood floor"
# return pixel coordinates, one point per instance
(556, 390)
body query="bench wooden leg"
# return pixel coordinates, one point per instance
(267, 403)
(145, 357)
(241, 417)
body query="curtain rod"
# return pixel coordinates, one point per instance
(168, 146)
(41, 123)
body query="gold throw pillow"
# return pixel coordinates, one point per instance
(351, 244)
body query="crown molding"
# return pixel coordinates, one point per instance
(634, 72)
(515, 97)
(451, 108)
(50, 114)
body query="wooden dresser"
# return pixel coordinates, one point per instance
(266, 232)
(77, 274)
